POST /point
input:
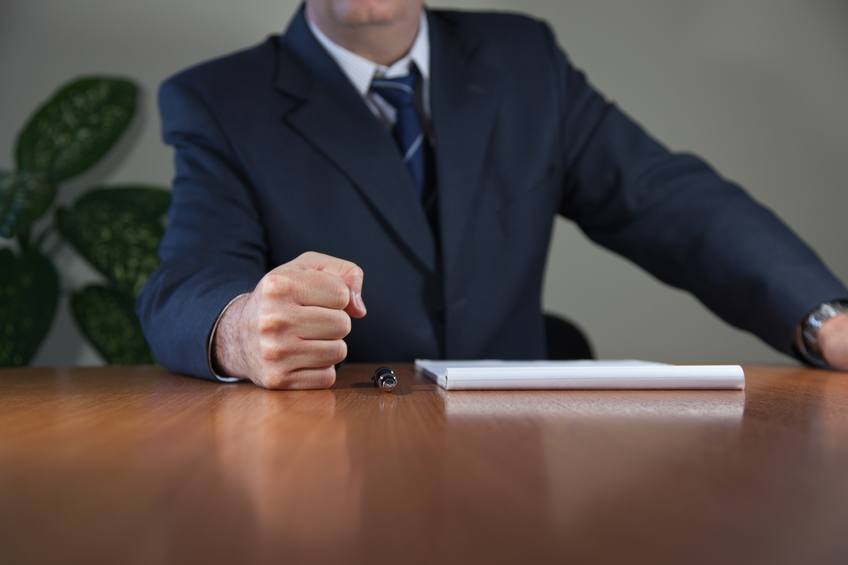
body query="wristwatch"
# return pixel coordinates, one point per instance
(808, 344)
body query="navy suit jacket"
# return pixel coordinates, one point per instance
(277, 154)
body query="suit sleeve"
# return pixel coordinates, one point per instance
(214, 248)
(674, 216)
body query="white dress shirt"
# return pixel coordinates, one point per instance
(362, 71)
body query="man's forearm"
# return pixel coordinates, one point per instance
(226, 352)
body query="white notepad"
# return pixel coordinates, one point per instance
(549, 375)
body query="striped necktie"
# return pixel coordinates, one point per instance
(408, 130)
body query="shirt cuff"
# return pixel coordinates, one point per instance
(211, 341)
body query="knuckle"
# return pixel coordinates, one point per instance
(271, 350)
(269, 324)
(308, 256)
(277, 285)
(265, 326)
(268, 354)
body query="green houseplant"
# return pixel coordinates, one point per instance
(115, 228)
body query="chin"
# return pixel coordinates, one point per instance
(369, 12)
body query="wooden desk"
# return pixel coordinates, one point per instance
(139, 466)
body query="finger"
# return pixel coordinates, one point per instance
(320, 288)
(322, 377)
(286, 284)
(317, 353)
(315, 322)
(350, 272)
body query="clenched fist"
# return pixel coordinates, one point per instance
(288, 333)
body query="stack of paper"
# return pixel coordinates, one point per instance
(542, 375)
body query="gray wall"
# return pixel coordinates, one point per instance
(757, 87)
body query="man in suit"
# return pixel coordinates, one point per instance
(431, 151)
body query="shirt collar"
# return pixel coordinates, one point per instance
(361, 71)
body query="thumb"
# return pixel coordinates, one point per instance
(351, 273)
(356, 306)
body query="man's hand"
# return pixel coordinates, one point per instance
(288, 332)
(833, 342)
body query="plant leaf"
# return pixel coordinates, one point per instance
(24, 197)
(76, 127)
(117, 230)
(29, 293)
(145, 201)
(106, 317)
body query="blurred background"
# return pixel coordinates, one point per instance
(758, 87)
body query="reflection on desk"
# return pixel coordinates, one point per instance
(135, 465)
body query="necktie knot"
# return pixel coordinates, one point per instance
(398, 91)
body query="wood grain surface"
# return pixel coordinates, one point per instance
(135, 465)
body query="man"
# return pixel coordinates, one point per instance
(431, 150)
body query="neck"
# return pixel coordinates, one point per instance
(382, 43)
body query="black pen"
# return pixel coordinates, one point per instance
(385, 379)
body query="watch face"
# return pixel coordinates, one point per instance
(825, 312)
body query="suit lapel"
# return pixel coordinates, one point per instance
(463, 107)
(333, 117)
